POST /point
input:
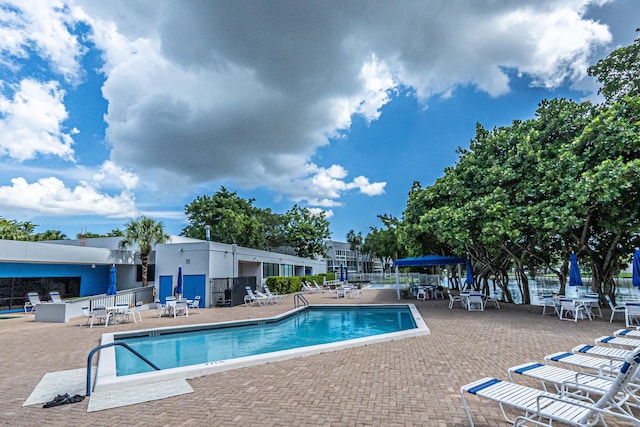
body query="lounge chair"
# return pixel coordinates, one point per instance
(55, 296)
(614, 308)
(34, 300)
(307, 288)
(101, 314)
(600, 351)
(564, 407)
(619, 342)
(195, 304)
(317, 287)
(582, 362)
(572, 310)
(633, 333)
(587, 384)
(252, 298)
(274, 296)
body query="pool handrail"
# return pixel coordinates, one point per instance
(300, 298)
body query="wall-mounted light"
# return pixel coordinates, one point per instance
(181, 251)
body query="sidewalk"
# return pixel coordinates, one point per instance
(414, 381)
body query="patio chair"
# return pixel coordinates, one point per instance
(572, 310)
(632, 314)
(307, 288)
(564, 407)
(614, 308)
(422, 293)
(86, 314)
(274, 296)
(195, 304)
(593, 304)
(55, 296)
(132, 312)
(101, 314)
(341, 292)
(320, 288)
(162, 308)
(549, 301)
(180, 307)
(34, 300)
(453, 299)
(475, 302)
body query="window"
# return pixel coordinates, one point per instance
(270, 269)
(287, 270)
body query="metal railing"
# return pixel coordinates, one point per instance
(111, 344)
(131, 297)
(299, 299)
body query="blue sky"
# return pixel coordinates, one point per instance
(115, 110)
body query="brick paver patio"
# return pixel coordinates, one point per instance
(414, 381)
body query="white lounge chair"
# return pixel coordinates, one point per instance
(34, 300)
(55, 296)
(614, 308)
(600, 351)
(582, 362)
(539, 405)
(252, 298)
(619, 342)
(274, 296)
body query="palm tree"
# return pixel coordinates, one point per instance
(146, 233)
(355, 241)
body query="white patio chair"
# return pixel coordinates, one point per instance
(600, 351)
(134, 312)
(539, 405)
(572, 310)
(548, 301)
(614, 308)
(618, 342)
(101, 314)
(55, 296)
(195, 304)
(453, 299)
(180, 308)
(582, 361)
(87, 315)
(593, 304)
(422, 293)
(475, 302)
(252, 298)
(632, 314)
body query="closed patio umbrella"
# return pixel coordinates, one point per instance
(111, 290)
(179, 285)
(469, 279)
(635, 278)
(341, 273)
(574, 271)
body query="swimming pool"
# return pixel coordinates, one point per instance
(190, 351)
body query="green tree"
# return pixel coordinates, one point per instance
(232, 219)
(145, 233)
(384, 242)
(619, 73)
(307, 231)
(49, 235)
(10, 229)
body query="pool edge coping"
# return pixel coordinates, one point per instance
(106, 378)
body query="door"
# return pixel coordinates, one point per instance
(166, 288)
(194, 285)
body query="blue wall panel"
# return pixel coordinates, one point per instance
(93, 281)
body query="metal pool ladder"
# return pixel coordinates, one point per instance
(120, 343)
(299, 299)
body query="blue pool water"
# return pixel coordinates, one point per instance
(313, 326)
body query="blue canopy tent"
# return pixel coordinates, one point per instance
(111, 290)
(425, 261)
(635, 272)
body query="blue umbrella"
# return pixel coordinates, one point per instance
(111, 290)
(341, 273)
(469, 279)
(635, 279)
(574, 271)
(179, 286)
(346, 274)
